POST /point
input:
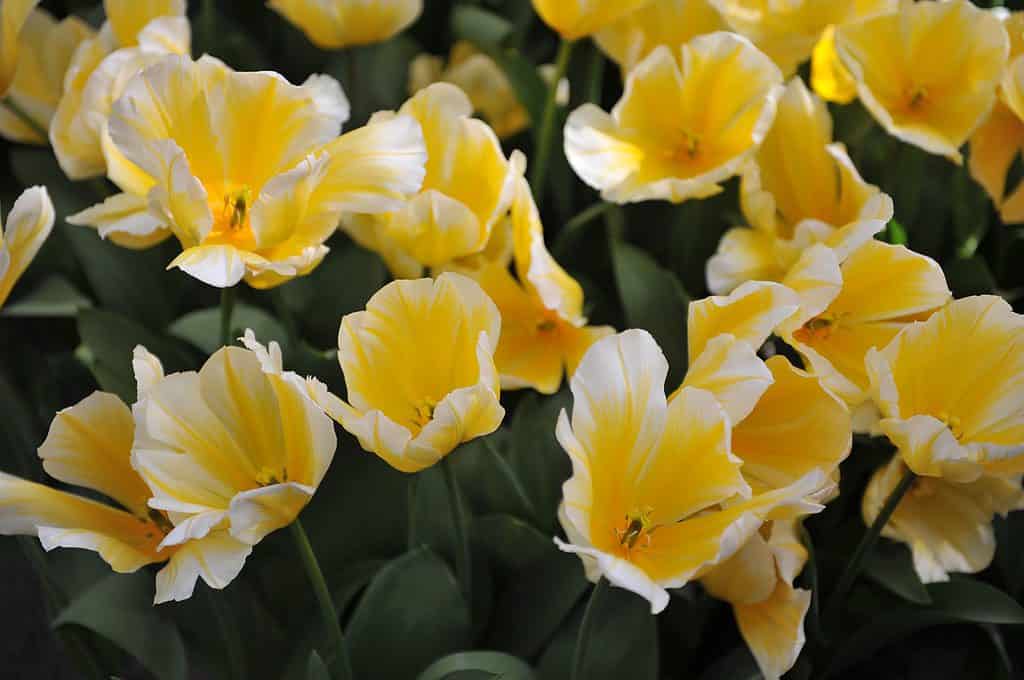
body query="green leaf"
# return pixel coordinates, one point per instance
(969, 277)
(739, 664)
(201, 328)
(891, 567)
(414, 600)
(119, 608)
(535, 603)
(111, 339)
(316, 669)
(536, 457)
(54, 298)
(970, 213)
(896, 233)
(511, 542)
(962, 600)
(479, 26)
(478, 664)
(1014, 175)
(490, 484)
(653, 299)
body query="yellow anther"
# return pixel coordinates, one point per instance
(268, 477)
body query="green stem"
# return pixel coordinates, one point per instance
(579, 658)
(23, 115)
(542, 153)
(595, 77)
(227, 308)
(867, 542)
(463, 558)
(228, 633)
(337, 656)
(574, 226)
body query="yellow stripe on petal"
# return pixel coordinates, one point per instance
(774, 628)
(750, 313)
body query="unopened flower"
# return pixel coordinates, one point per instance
(333, 24)
(247, 170)
(687, 121)
(951, 390)
(672, 23)
(468, 188)
(793, 205)
(28, 224)
(46, 49)
(135, 35)
(419, 370)
(657, 496)
(927, 72)
(543, 331)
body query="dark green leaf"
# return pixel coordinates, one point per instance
(1014, 175)
(970, 213)
(110, 340)
(896, 233)
(739, 664)
(484, 664)
(969, 277)
(535, 603)
(537, 458)
(415, 600)
(54, 298)
(890, 566)
(489, 483)
(479, 26)
(511, 542)
(652, 299)
(119, 608)
(316, 669)
(202, 328)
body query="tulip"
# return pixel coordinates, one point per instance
(28, 225)
(334, 24)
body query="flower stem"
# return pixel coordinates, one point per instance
(867, 542)
(23, 116)
(542, 153)
(463, 557)
(579, 657)
(337, 656)
(229, 635)
(227, 307)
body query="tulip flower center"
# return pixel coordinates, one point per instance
(817, 329)
(687, 148)
(269, 477)
(231, 219)
(159, 519)
(424, 412)
(923, 487)
(637, 525)
(917, 98)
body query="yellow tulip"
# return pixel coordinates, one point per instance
(574, 19)
(413, 413)
(543, 330)
(672, 23)
(793, 205)
(90, 445)
(928, 72)
(947, 525)
(237, 447)
(13, 15)
(657, 497)
(951, 390)
(468, 188)
(842, 315)
(247, 170)
(829, 78)
(758, 582)
(788, 31)
(137, 33)
(687, 121)
(28, 224)
(483, 81)
(46, 48)
(333, 24)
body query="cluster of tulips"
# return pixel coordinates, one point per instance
(817, 329)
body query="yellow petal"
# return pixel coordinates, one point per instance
(90, 444)
(745, 255)
(125, 219)
(994, 145)
(28, 225)
(13, 15)
(731, 370)
(962, 368)
(774, 628)
(217, 559)
(829, 78)
(333, 25)
(62, 519)
(750, 313)
(128, 17)
(748, 577)
(928, 72)
(797, 426)
(947, 525)
(258, 512)
(575, 19)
